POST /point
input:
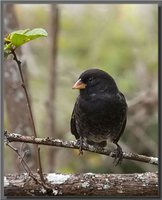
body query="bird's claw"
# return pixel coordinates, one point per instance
(80, 142)
(118, 155)
(80, 151)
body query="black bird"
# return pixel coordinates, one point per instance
(100, 111)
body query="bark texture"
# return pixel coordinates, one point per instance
(13, 137)
(89, 184)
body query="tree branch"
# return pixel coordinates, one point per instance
(14, 137)
(88, 184)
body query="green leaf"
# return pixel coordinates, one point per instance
(7, 46)
(19, 32)
(18, 39)
(21, 37)
(37, 32)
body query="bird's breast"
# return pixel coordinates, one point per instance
(96, 105)
(100, 117)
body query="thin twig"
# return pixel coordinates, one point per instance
(14, 137)
(30, 111)
(27, 169)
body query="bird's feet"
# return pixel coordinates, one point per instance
(80, 142)
(118, 155)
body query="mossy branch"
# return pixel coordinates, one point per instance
(14, 137)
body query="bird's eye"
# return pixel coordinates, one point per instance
(90, 79)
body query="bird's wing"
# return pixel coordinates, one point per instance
(121, 131)
(125, 119)
(73, 123)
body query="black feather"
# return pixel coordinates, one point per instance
(100, 111)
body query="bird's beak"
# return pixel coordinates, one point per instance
(79, 85)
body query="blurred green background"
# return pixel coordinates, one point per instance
(120, 39)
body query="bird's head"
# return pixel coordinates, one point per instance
(95, 81)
